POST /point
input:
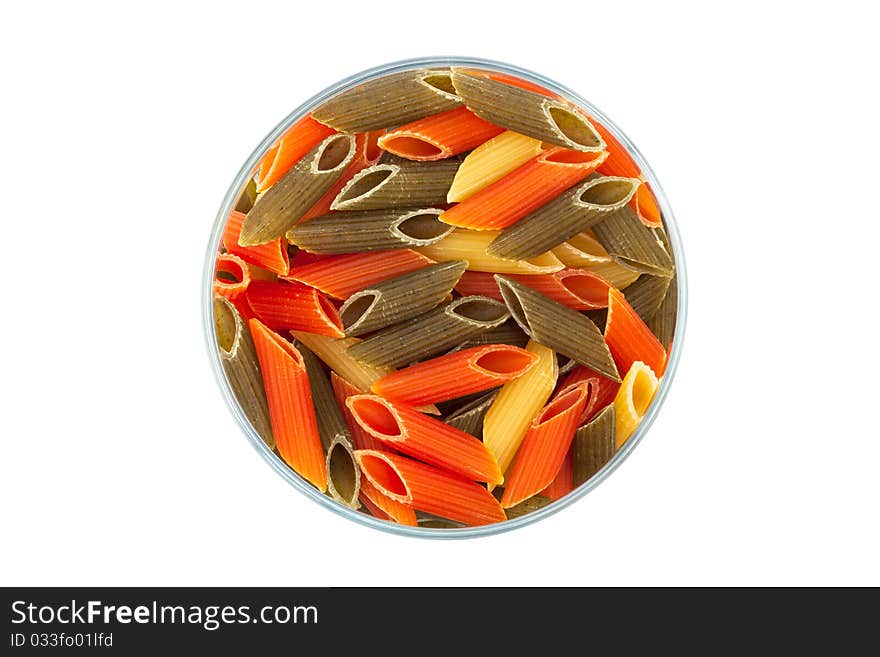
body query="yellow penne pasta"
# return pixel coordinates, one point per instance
(583, 251)
(490, 162)
(632, 400)
(470, 245)
(517, 403)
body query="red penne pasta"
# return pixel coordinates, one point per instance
(621, 163)
(243, 307)
(563, 482)
(544, 447)
(439, 136)
(299, 139)
(524, 190)
(366, 154)
(602, 390)
(294, 306)
(388, 508)
(578, 289)
(429, 489)
(455, 375)
(291, 411)
(628, 337)
(231, 276)
(342, 390)
(271, 256)
(341, 276)
(424, 438)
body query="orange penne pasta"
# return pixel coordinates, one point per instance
(424, 438)
(524, 190)
(342, 390)
(299, 139)
(294, 306)
(429, 489)
(576, 288)
(291, 411)
(620, 163)
(271, 255)
(628, 337)
(602, 390)
(231, 276)
(382, 506)
(439, 136)
(563, 482)
(455, 375)
(543, 450)
(340, 276)
(366, 154)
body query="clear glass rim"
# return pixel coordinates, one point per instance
(280, 467)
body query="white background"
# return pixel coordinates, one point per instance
(121, 130)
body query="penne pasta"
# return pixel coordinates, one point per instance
(576, 288)
(397, 184)
(602, 390)
(369, 230)
(632, 245)
(271, 255)
(299, 139)
(239, 359)
(430, 334)
(246, 197)
(343, 476)
(563, 482)
(518, 402)
(469, 418)
(523, 190)
(390, 100)
(628, 337)
(342, 390)
(334, 354)
(636, 392)
(342, 275)
(429, 489)
(562, 329)
(291, 411)
(399, 299)
(425, 438)
(454, 375)
(563, 217)
(593, 445)
(439, 136)
(366, 154)
(507, 333)
(284, 204)
(533, 114)
(232, 277)
(289, 305)
(662, 324)
(646, 294)
(544, 446)
(525, 507)
(389, 509)
(582, 250)
(616, 275)
(490, 162)
(433, 522)
(471, 245)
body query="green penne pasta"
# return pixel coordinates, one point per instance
(529, 113)
(285, 202)
(399, 299)
(371, 230)
(397, 184)
(343, 474)
(558, 327)
(469, 418)
(598, 317)
(389, 101)
(564, 217)
(526, 506)
(239, 359)
(593, 446)
(565, 364)
(632, 245)
(431, 333)
(647, 294)
(435, 522)
(508, 333)
(662, 324)
(247, 197)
